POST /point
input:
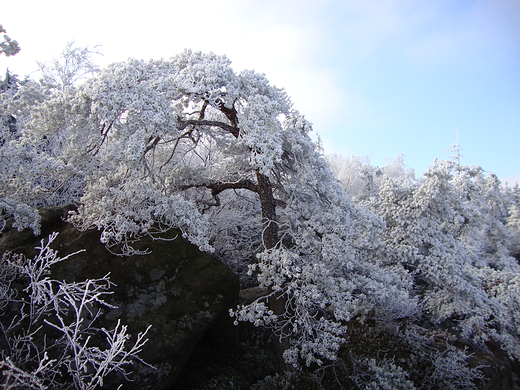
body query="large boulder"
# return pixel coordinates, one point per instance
(177, 289)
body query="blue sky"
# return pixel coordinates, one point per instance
(376, 77)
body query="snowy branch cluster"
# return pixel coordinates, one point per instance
(9, 46)
(32, 356)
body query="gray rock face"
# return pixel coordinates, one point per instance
(177, 289)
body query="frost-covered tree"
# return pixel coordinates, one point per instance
(486, 231)
(29, 177)
(8, 86)
(74, 64)
(8, 128)
(420, 234)
(513, 219)
(145, 146)
(9, 46)
(362, 181)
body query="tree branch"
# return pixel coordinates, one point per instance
(224, 126)
(217, 187)
(231, 114)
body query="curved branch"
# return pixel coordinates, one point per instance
(224, 126)
(217, 187)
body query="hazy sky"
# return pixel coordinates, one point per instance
(376, 77)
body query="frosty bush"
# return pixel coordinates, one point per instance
(370, 374)
(48, 327)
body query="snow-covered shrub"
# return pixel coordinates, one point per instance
(371, 374)
(48, 327)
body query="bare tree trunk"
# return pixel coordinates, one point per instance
(276, 301)
(268, 204)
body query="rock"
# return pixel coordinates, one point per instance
(177, 289)
(251, 294)
(500, 371)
